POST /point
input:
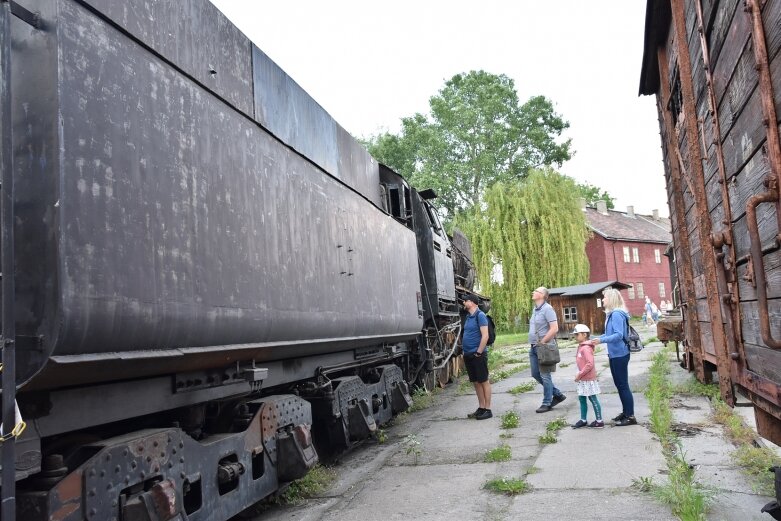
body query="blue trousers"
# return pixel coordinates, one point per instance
(619, 369)
(544, 378)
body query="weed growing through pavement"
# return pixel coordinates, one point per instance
(693, 387)
(687, 498)
(500, 453)
(508, 486)
(413, 447)
(551, 429)
(755, 461)
(643, 483)
(510, 420)
(316, 481)
(422, 399)
(523, 388)
(381, 436)
(652, 339)
(564, 365)
(532, 470)
(506, 435)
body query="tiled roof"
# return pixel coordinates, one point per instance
(586, 289)
(620, 226)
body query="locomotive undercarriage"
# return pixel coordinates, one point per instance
(222, 455)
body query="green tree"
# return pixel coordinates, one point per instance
(592, 194)
(532, 232)
(477, 134)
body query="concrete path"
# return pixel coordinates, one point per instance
(587, 474)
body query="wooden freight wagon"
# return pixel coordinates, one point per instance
(715, 68)
(581, 305)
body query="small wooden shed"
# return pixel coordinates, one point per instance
(581, 305)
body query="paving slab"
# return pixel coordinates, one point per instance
(738, 507)
(587, 504)
(431, 492)
(599, 458)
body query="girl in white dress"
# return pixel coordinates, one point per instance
(588, 386)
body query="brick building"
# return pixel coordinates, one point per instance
(630, 247)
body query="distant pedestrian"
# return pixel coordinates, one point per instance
(474, 344)
(616, 324)
(649, 312)
(663, 307)
(588, 386)
(543, 327)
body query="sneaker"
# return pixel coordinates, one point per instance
(544, 408)
(475, 414)
(581, 423)
(484, 415)
(628, 420)
(619, 417)
(597, 424)
(557, 400)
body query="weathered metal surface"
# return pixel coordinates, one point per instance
(230, 241)
(724, 84)
(714, 310)
(288, 112)
(171, 465)
(670, 328)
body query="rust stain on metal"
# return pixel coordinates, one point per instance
(62, 513)
(771, 195)
(700, 202)
(70, 488)
(684, 264)
(728, 271)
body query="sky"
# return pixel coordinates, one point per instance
(371, 63)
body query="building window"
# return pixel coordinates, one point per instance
(631, 292)
(626, 254)
(640, 293)
(661, 290)
(636, 254)
(571, 314)
(658, 256)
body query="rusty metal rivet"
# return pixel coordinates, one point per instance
(734, 356)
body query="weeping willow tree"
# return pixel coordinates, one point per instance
(524, 235)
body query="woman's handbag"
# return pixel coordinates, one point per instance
(548, 354)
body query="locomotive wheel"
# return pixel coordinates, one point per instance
(444, 375)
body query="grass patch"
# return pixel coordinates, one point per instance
(755, 461)
(643, 484)
(508, 486)
(511, 339)
(532, 470)
(523, 388)
(500, 453)
(687, 498)
(564, 365)
(693, 387)
(652, 339)
(422, 399)
(465, 386)
(316, 481)
(551, 429)
(510, 420)
(733, 424)
(506, 435)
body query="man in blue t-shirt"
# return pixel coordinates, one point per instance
(475, 349)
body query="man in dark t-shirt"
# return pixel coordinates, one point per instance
(476, 356)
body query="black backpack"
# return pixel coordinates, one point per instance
(491, 330)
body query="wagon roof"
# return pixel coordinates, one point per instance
(622, 226)
(657, 23)
(586, 289)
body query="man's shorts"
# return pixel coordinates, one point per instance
(477, 367)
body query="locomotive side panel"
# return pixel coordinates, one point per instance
(179, 223)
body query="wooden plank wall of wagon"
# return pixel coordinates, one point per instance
(743, 135)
